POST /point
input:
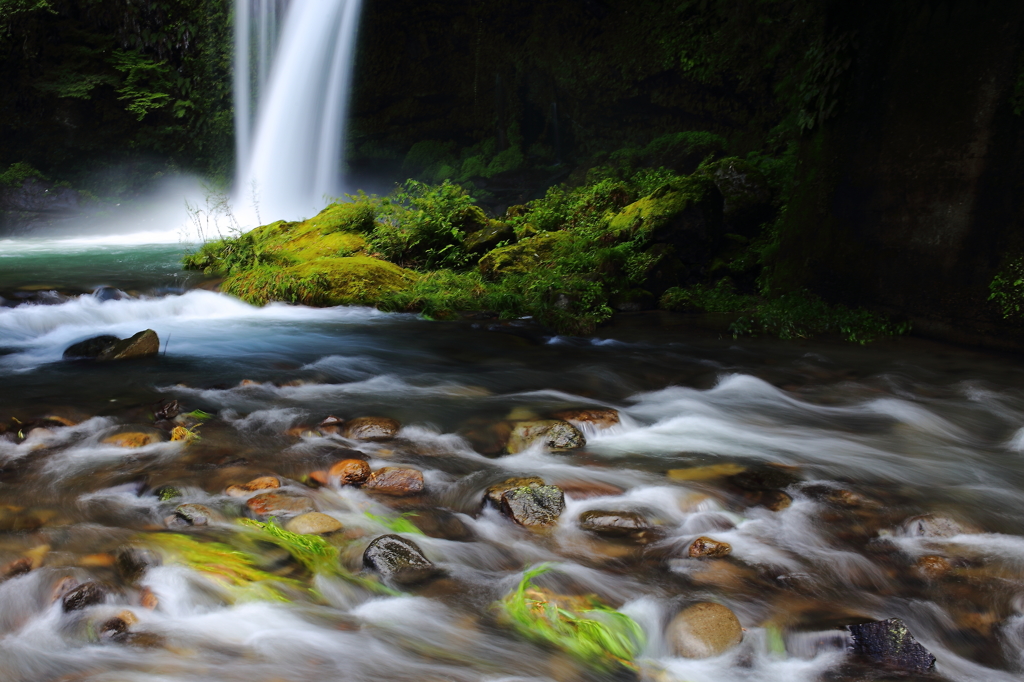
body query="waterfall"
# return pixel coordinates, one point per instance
(298, 74)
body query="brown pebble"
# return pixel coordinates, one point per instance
(349, 472)
(601, 418)
(707, 547)
(934, 566)
(395, 481)
(371, 428)
(261, 483)
(147, 599)
(15, 568)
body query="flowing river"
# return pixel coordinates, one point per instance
(852, 484)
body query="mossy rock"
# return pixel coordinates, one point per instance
(746, 194)
(522, 257)
(490, 236)
(353, 280)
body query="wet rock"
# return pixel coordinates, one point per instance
(136, 437)
(890, 644)
(398, 481)
(86, 594)
(746, 193)
(349, 472)
(934, 567)
(597, 417)
(371, 428)
(132, 562)
(483, 240)
(705, 473)
(167, 411)
(584, 490)
(933, 526)
(194, 514)
(398, 560)
(147, 599)
(440, 523)
(261, 483)
(704, 547)
(552, 433)
(167, 493)
(775, 500)
(331, 426)
(115, 628)
(533, 506)
(615, 524)
(493, 493)
(279, 504)
(90, 349)
(704, 630)
(143, 344)
(15, 568)
(313, 523)
(487, 437)
(764, 477)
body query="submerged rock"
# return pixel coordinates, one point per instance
(194, 514)
(15, 568)
(533, 506)
(616, 524)
(261, 483)
(279, 504)
(371, 428)
(86, 594)
(707, 547)
(90, 348)
(933, 526)
(313, 523)
(396, 481)
(889, 643)
(704, 630)
(132, 562)
(553, 433)
(398, 560)
(136, 437)
(140, 345)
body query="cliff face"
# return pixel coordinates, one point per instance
(910, 199)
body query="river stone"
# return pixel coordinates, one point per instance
(194, 514)
(764, 477)
(533, 506)
(86, 594)
(140, 345)
(136, 437)
(553, 433)
(15, 568)
(398, 560)
(933, 526)
(313, 523)
(132, 562)
(598, 418)
(371, 428)
(704, 630)
(279, 504)
(613, 523)
(90, 348)
(889, 643)
(349, 472)
(331, 426)
(483, 240)
(261, 483)
(440, 523)
(396, 481)
(707, 547)
(494, 492)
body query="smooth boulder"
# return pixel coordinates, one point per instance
(398, 560)
(705, 547)
(349, 472)
(615, 524)
(704, 630)
(279, 504)
(395, 481)
(554, 434)
(533, 506)
(890, 644)
(493, 493)
(370, 428)
(594, 417)
(313, 523)
(90, 349)
(86, 594)
(255, 485)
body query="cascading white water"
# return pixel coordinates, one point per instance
(290, 157)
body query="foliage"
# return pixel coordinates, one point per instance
(582, 626)
(233, 567)
(803, 315)
(1007, 289)
(721, 298)
(401, 524)
(17, 173)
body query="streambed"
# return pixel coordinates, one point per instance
(901, 463)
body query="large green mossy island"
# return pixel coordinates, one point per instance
(622, 239)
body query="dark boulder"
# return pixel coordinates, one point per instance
(398, 560)
(143, 344)
(132, 562)
(890, 644)
(615, 524)
(533, 506)
(747, 196)
(489, 237)
(90, 348)
(86, 594)
(493, 493)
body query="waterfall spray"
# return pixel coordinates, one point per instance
(291, 155)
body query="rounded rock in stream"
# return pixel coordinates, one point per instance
(279, 504)
(261, 483)
(889, 643)
(135, 437)
(349, 472)
(555, 434)
(194, 514)
(90, 349)
(132, 562)
(616, 524)
(371, 428)
(704, 630)
(707, 547)
(396, 481)
(596, 417)
(86, 594)
(313, 523)
(533, 506)
(398, 560)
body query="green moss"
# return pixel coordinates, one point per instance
(654, 211)
(1007, 290)
(522, 257)
(17, 173)
(353, 280)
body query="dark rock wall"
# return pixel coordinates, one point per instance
(910, 198)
